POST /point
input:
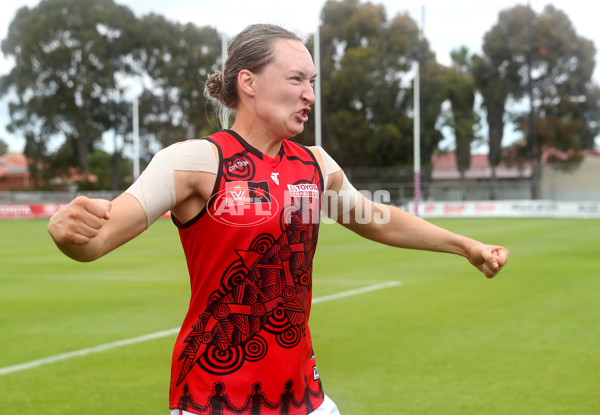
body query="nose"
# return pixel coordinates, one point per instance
(308, 94)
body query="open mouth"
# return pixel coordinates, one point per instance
(303, 115)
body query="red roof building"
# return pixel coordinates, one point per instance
(558, 181)
(446, 168)
(14, 173)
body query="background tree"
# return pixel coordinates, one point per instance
(78, 63)
(432, 97)
(102, 166)
(39, 162)
(67, 55)
(496, 79)
(588, 111)
(561, 66)
(3, 146)
(366, 66)
(177, 59)
(459, 86)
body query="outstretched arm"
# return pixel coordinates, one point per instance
(393, 226)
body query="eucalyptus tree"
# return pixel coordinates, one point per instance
(539, 56)
(367, 67)
(64, 85)
(459, 86)
(175, 60)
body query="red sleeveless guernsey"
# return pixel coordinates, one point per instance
(244, 346)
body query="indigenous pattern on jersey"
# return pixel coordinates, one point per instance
(245, 345)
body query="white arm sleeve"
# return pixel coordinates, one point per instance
(155, 188)
(335, 204)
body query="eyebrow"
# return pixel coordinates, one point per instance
(303, 74)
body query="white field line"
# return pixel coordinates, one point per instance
(95, 278)
(357, 291)
(324, 281)
(90, 350)
(170, 332)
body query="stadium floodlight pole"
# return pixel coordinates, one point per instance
(531, 121)
(417, 140)
(224, 114)
(417, 121)
(136, 139)
(317, 52)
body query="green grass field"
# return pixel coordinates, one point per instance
(446, 341)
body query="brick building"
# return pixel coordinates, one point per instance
(14, 173)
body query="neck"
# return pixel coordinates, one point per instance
(259, 140)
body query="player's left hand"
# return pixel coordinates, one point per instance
(489, 259)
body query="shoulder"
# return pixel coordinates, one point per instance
(326, 162)
(314, 150)
(195, 155)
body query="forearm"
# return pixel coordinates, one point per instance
(87, 252)
(85, 229)
(392, 226)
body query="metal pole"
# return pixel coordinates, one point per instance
(136, 140)
(417, 140)
(225, 112)
(417, 123)
(317, 52)
(531, 132)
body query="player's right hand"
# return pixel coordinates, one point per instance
(79, 221)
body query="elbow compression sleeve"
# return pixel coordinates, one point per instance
(155, 188)
(342, 201)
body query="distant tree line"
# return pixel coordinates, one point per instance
(79, 63)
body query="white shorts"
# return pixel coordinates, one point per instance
(327, 408)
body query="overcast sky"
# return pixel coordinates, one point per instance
(447, 24)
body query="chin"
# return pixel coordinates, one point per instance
(298, 130)
(293, 132)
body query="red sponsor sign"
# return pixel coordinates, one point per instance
(23, 210)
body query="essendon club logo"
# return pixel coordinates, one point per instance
(243, 204)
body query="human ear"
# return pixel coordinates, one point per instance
(246, 82)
